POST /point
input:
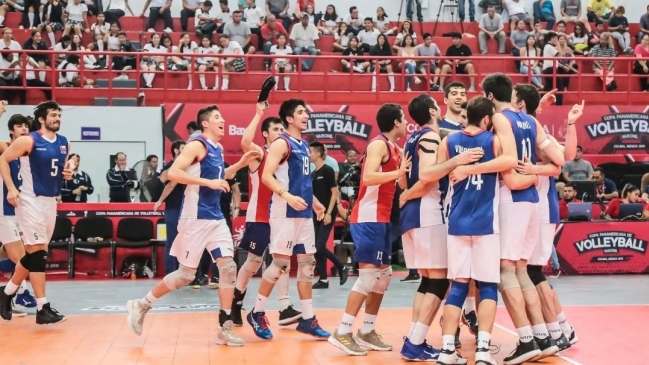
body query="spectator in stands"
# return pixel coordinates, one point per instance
(458, 62)
(539, 34)
(604, 68)
(9, 77)
(368, 35)
(150, 64)
(519, 38)
(232, 63)
(492, 27)
(382, 22)
(192, 130)
(579, 40)
(304, 38)
(461, 11)
(8, 40)
(224, 16)
(429, 49)
(255, 19)
(121, 180)
(77, 18)
(568, 65)
(52, 19)
(100, 30)
(125, 62)
(35, 42)
(578, 169)
(406, 29)
(282, 65)
(549, 66)
(596, 10)
(158, 9)
(544, 12)
(407, 49)
(330, 21)
(69, 75)
(111, 39)
(341, 37)
(209, 62)
(204, 23)
(516, 12)
(618, 25)
(355, 54)
(239, 32)
(64, 45)
(4, 9)
(76, 43)
(279, 8)
(270, 32)
(380, 50)
(350, 174)
(593, 37)
(77, 189)
(571, 13)
(641, 67)
(644, 25)
(189, 11)
(30, 18)
(530, 66)
(117, 9)
(605, 188)
(354, 20)
(569, 196)
(630, 195)
(310, 12)
(561, 28)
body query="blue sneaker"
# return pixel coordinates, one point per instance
(312, 327)
(26, 300)
(259, 324)
(423, 352)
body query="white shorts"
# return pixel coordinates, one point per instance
(9, 229)
(474, 257)
(289, 236)
(519, 230)
(425, 247)
(36, 217)
(197, 235)
(543, 249)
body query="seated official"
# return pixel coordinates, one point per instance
(569, 196)
(630, 195)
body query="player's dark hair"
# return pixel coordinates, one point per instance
(44, 108)
(18, 119)
(477, 109)
(176, 146)
(453, 85)
(464, 105)
(387, 115)
(419, 107)
(287, 109)
(192, 125)
(530, 95)
(318, 147)
(266, 123)
(204, 114)
(499, 86)
(151, 157)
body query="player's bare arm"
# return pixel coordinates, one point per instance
(543, 169)
(20, 147)
(247, 143)
(243, 162)
(193, 151)
(3, 147)
(402, 181)
(276, 153)
(570, 148)
(440, 168)
(377, 154)
(318, 208)
(70, 166)
(548, 147)
(165, 193)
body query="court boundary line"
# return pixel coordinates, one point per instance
(513, 333)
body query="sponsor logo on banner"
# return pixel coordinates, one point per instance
(613, 245)
(334, 129)
(90, 133)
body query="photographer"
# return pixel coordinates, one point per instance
(350, 175)
(121, 180)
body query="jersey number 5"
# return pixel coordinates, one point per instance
(306, 165)
(55, 168)
(475, 180)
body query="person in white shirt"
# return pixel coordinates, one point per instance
(64, 45)
(382, 22)
(282, 65)
(188, 11)
(239, 32)
(152, 63)
(209, 62)
(232, 63)
(225, 16)
(8, 41)
(100, 29)
(115, 10)
(304, 37)
(342, 35)
(69, 75)
(516, 12)
(354, 20)
(158, 9)
(406, 29)
(255, 19)
(329, 21)
(204, 23)
(368, 35)
(77, 14)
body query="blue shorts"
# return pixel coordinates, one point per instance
(256, 238)
(372, 242)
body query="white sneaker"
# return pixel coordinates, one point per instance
(151, 30)
(226, 335)
(15, 312)
(136, 313)
(447, 357)
(167, 30)
(483, 356)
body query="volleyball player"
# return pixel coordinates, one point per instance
(454, 96)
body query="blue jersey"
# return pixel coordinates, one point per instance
(548, 200)
(41, 170)
(474, 200)
(449, 125)
(201, 202)
(427, 210)
(524, 128)
(294, 175)
(553, 200)
(14, 168)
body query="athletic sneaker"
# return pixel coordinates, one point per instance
(136, 313)
(573, 336)
(312, 327)
(372, 341)
(194, 284)
(289, 316)
(49, 315)
(483, 357)
(471, 321)
(563, 343)
(422, 352)
(524, 351)
(448, 357)
(26, 299)
(320, 284)
(347, 343)
(414, 278)
(6, 305)
(226, 335)
(344, 275)
(547, 346)
(237, 307)
(259, 323)
(17, 312)
(214, 283)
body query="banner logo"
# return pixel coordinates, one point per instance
(611, 243)
(334, 129)
(629, 130)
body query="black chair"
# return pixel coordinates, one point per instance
(61, 239)
(86, 232)
(136, 233)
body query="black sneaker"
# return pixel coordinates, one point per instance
(414, 278)
(321, 285)
(344, 275)
(524, 351)
(471, 321)
(203, 280)
(5, 304)
(49, 315)
(289, 316)
(214, 283)
(458, 344)
(563, 343)
(194, 284)
(237, 306)
(548, 347)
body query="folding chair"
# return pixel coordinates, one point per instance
(86, 232)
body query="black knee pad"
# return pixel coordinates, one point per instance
(438, 287)
(38, 261)
(536, 274)
(423, 285)
(25, 261)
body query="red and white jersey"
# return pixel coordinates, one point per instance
(259, 194)
(374, 203)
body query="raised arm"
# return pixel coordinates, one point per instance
(548, 147)
(247, 143)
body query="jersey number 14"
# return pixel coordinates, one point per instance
(475, 180)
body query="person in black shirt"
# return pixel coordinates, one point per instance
(79, 187)
(458, 53)
(354, 51)
(382, 49)
(326, 191)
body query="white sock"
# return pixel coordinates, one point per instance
(412, 329)
(21, 288)
(563, 323)
(201, 78)
(260, 306)
(346, 324)
(540, 331)
(368, 323)
(419, 334)
(555, 330)
(525, 334)
(469, 304)
(189, 85)
(281, 286)
(226, 83)
(448, 342)
(2, 19)
(287, 82)
(483, 340)
(41, 75)
(373, 82)
(149, 299)
(50, 35)
(307, 308)
(149, 78)
(276, 81)
(40, 302)
(30, 16)
(391, 79)
(11, 288)
(19, 7)
(217, 84)
(100, 45)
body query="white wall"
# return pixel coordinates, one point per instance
(634, 8)
(136, 131)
